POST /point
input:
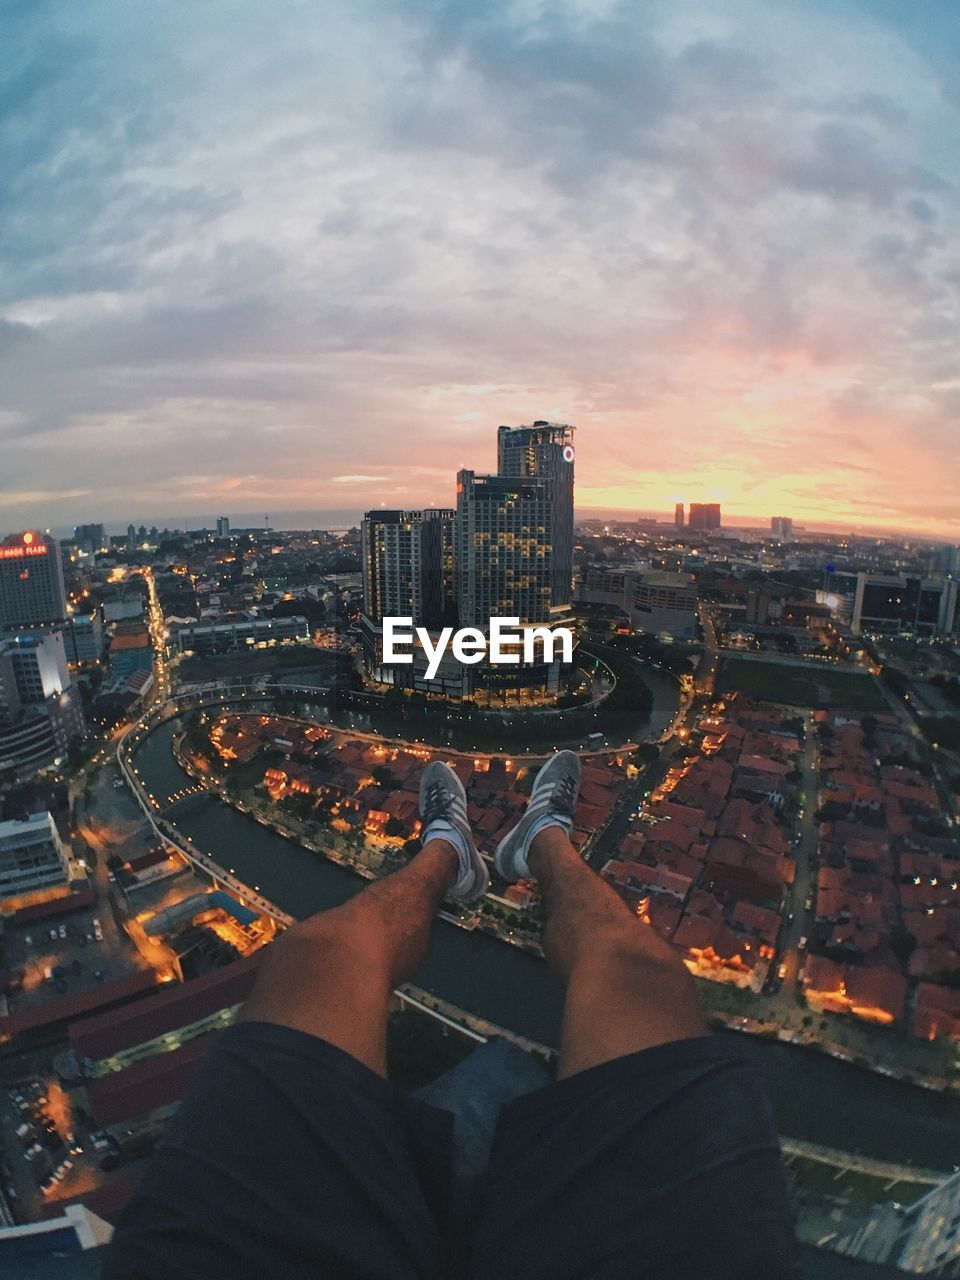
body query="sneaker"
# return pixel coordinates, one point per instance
(552, 803)
(443, 808)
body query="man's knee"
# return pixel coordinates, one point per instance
(332, 939)
(639, 958)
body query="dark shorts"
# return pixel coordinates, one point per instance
(289, 1159)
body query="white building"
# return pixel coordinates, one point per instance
(655, 601)
(84, 638)
(32, 856)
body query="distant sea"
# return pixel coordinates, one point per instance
(340, 519)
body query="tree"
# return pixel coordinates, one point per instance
(394, 827)
(383, 777)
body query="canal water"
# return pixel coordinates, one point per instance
(664, 691)
(815, 1098)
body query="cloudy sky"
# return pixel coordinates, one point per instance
(261, 256)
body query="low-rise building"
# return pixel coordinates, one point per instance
(32, 856)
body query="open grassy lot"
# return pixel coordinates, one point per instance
(801, 686)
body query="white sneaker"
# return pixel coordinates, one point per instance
(552, 803)
(443, 809)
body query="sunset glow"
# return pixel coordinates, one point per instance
(719, 239)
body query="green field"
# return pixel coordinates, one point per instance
(801, 686)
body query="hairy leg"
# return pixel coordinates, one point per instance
(332, 975)
(626, 988)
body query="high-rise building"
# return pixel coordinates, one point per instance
(782, 527)
(919, 1238)
(223, 527)
(41, 713)
(502, 549)
(948, 560)
(908, 603)
(89, 537)
(704, 516)
(32, 856)
(84, 638)
(131, 536)
(678, 519)
(407, 559)
(31, 581)
(544, 451)
(40, 665)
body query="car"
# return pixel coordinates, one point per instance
(802, 943)
(782, 970)
(23, 1130)
(62, 932)
(32, 1151)
(52, 935)
(47, 1185)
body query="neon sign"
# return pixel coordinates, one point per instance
(17, 553)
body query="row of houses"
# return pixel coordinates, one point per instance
(709, 860)
(374, 787)
(885, 945)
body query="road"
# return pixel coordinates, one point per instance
(709, 664)
(805, 854)
(158, 637)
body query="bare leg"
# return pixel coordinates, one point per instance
(626, 988)
(333, 974)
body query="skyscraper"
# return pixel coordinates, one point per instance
(407, 559)
(781, 527)
(223, 526)
(503, 548)
(678, 515)
(704, 516)
(31, 580)
(89, 537)
(544, 451)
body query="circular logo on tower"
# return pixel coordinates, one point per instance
(568, 453)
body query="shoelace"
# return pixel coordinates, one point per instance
(438, 803)
(564, 795)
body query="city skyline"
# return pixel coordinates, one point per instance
(298, 261)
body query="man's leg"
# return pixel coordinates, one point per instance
(291, 1155)
(333, 974)
(655, 1152)
(627, 989)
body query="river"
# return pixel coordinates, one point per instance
(815, 1097)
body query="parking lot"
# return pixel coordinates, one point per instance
(51, 958)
